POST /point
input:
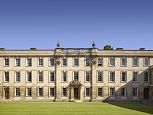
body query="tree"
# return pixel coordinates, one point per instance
(108, 47)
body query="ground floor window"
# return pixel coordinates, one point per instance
(52, 93)
(135, 91)
(29, 92)
(40, 92)
(64, 93)
(123, 91)
(87, 91)
(100, 92)
(111, 91)
(17, 92)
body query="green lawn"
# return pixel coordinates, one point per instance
(75, 108)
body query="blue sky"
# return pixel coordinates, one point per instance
(76, 23)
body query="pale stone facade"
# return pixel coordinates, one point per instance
(68, 74)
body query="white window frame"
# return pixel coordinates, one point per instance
(74, 64)
(123, 91)
(122, 62)
(124, 76)
(16, 75)
(134, 92)
(86, 75)
(87, 91)
(112, 91)
(146, 76)
(64, 76)
(52, 62)
(6, 63)
(51, 73)
(64, 92)
(99, 91)
(28, 76)
(135, 76)
(100, 76)
(16, 92)
(40, 74)
(110, 79)
(110, 62)
(6, 76)
(27, 92)
(27, 62)
(144, 62)
(64, 63)
(100, 64)
(40, 62)
(17, 63)
(87, 62)
(135, 62)
(40, 94)
(51, 90)
(76, 75)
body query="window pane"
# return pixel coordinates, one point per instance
(64, 92)
(87, 91)
(87, 62)
(6, 62)
(100, 62)
(112, 62)
(17, 77)
(135, 76)
(17, 62)
(29, 92)
(40, 92)
(76, 62)
(87, 76)
(52, 92)
(64, 62)
(17, 92)
(52, 76)
(76, 75)
(100, 76)
(52, 62)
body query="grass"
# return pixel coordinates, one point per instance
(75, 109)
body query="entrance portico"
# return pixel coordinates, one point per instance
(75, 90)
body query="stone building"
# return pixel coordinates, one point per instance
(68, 74)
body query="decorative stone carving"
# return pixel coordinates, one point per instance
(75, 83)
(58, 62)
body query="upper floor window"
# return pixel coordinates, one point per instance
(64, 77)
(6, 62)
(112, 77)
(135, 62)
(135, 91)
(146, 62)
(40, 92)
(146, 76)
(17, 92)
(64, 62)
(29, 62)
(40, 76)
(100, 76)
(112, 91)
(76, 75)
(112, 61)
(52, 62)
(135, 76)
(100, 62)
(123, 62)
(88, 61)
(6, 77)
(29, 77)
(17, 77)
(123, 91)
(40, 62)
(123, 76)
(76, 62)
(17, 62)
(87, 79)
(52, 76)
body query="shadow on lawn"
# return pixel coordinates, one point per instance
(142, 107)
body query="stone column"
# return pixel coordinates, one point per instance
(72, 93)
(57, 80)
(1, 93)
(93, 79)
(11, 93)
(34, 93)
(151, 83)
(23, 93)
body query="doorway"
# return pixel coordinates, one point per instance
(76, 93)
(6, 92)
(146, 93)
